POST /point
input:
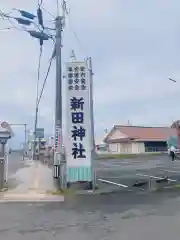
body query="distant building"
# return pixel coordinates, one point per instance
(138, 139)
(100, 145)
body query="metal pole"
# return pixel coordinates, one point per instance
(6, 166)
(92, 121)
(58, 99)
(35, 128)
(25, 133)
(2, 164)
(25, 138)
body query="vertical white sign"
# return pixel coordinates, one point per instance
(78, 121)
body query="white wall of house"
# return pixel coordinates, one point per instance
(128, 147)
(134, 147)
(117, 134)
(113, 147)
(138, 147)
(120, 147)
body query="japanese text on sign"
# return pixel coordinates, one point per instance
(77, 78)
(78, 121)
(78, 131)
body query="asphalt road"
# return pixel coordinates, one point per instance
(122, 215)
(123, 174)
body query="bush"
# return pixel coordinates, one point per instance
(121, 156)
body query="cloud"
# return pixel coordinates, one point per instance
(134, 46)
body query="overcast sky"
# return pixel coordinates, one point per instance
(134, 45)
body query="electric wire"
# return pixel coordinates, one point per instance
(47, 12)
(45, 80)
(40, 2)
(38, 75)
(73, 31)
(9, 18)
(6, 28)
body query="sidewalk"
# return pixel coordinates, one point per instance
(35, 182)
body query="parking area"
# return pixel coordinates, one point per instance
(131, 173)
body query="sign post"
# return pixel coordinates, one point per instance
(39, 132)
(78, 122)
(5, 134)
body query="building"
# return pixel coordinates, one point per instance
(138, 139)
(100, 145)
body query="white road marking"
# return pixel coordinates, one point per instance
(114, 177)
(114, 183)
(175, 167)
(144, 175)
(114, 164)
(171, 171)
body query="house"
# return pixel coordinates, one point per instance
(138, 139)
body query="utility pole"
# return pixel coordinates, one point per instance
(2, 163)
(92, 121)
(35, 130)
(25, 138)
(59, 24)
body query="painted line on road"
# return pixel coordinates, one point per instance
(144, 175)
(111, 165)
(171, 171)
(175, 167)
(113, 183)
(112, 177)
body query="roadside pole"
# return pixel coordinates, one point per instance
(58, 99)
(25, 139)
(2, 163)
(35, 127)
(92, 122)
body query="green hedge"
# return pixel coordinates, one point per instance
(120, 156)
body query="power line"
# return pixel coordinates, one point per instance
(73, 30)
(40, 2)
(47, 12)
(9, 18)
(5, 28)
(38, 78)
(45, 80)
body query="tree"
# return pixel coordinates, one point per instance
(176, 124)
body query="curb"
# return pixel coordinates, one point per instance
(4, 190)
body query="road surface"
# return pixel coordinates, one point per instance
(128, 171)
(122, 215)
(15, 163)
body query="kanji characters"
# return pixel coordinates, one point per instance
(83, 80)
(77, 83)
(78, 133)
(78, 151)
(70, 75)
(83, 87)
(70, 87)
(77, 103)
(70, 81)
(76, 87)
(70, 69)
(82, 69)
(77, 117)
